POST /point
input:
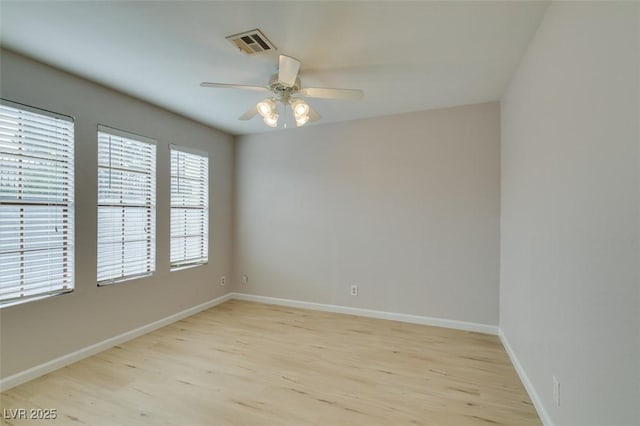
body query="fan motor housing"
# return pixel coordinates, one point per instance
(283, 90)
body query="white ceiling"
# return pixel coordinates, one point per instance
(406, 56)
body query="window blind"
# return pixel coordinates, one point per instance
(189, 208)
(126, 205)
(36, 203)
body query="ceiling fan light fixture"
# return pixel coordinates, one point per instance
(300, 108)
(266, 107)
(271, 120)
(285, 87)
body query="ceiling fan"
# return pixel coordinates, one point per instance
(286, 90)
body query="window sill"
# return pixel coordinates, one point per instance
(181, 267)
(28, 299)
(123, 279)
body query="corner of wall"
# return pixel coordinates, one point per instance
(233, 276)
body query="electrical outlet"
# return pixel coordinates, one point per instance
(354, 290)
(223, 280)
(556, 391)
(245, 279)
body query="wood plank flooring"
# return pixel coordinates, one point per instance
(244, 363)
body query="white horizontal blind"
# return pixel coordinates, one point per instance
(126, 206)
(189, 208)
(36, 203)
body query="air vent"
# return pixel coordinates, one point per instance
(252, 42)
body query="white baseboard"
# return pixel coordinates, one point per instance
(533, 395)
(414, 319)
(42, 369)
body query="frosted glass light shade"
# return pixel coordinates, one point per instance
(271, 120)
(300, 108)
(301, 121)
(266, 107)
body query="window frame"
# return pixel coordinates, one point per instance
(152, 238)
(67, 204)
(177, 266)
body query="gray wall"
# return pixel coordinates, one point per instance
(570, 302)
(406, 207)
(40, 331)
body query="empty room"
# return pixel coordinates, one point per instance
(320, 213)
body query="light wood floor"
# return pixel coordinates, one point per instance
(244, 363)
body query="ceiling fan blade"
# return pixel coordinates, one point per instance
(326, 93)
(251, 112)
(234, 86)
(313, 115)
(288, 68)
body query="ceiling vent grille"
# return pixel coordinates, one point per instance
(252, 42)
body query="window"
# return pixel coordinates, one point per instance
(189, 208)
(36, 203)
(126, 206)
